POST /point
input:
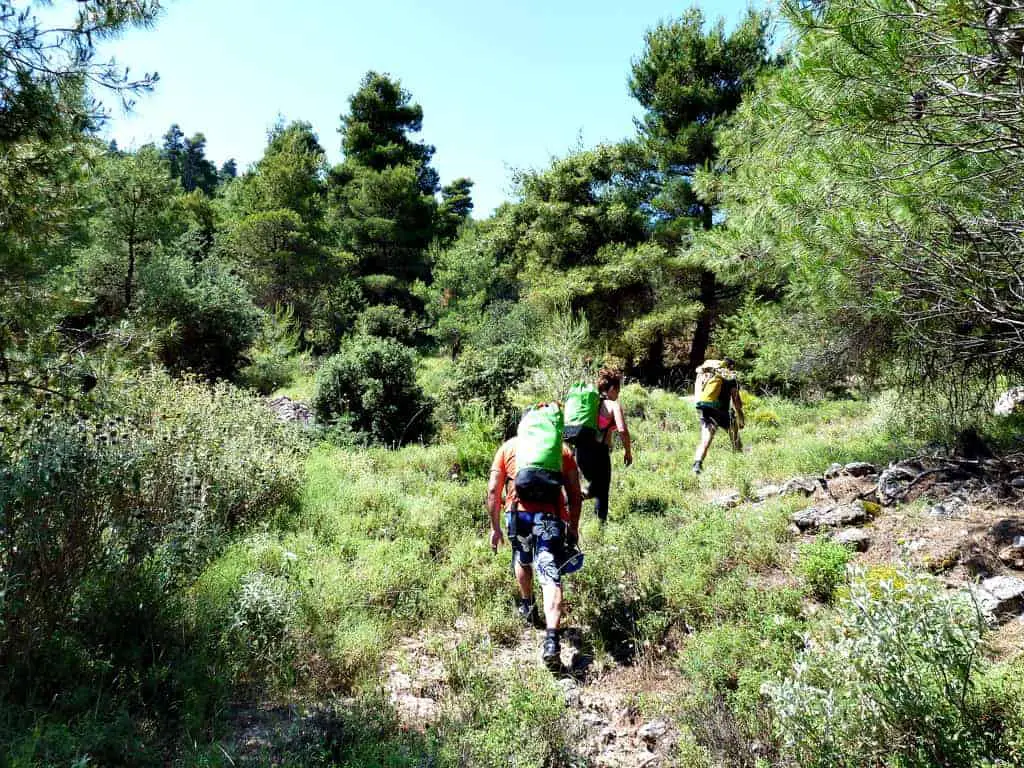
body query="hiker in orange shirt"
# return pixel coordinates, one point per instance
(543, 534)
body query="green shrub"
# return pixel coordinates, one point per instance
(333, 315)
(386, 321)
(136, 494)
(476, 441)
(487, 375)
(893, 680)
(514, 719)
(372, 383)
(635, 400)
(265, 610)
(822, 566)
(274, 358)
(208, 313)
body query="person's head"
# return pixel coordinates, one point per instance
(729, 363)
(609, 381)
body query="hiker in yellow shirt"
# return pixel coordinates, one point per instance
(717, 394)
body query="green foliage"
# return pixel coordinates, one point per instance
(387, 322)
(519, 718)
(161, 470)
(893, 679)
(372, 382)
(456, 206)
(187, 162)
(375, 133)
(206, 313)
(855, 190)
(264, 612)
(486, 375)
(134, 217)
(274, 358)
(478, 436)
(563, 358)
(382, 195)
(822, 566)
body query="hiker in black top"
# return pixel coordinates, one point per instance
(594, 455)
(720, 411)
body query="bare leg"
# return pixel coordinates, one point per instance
(734, 437)
(552, 604)
(524, 578)
(707, 433)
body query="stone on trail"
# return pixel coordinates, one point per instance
(653, 730)
(1001, 597)
(416, 710)
(853, 537)
(952, 508)
(834, 470)
(892, 482)
(859, 469)
(727, 500)
(813, 518)
(767, 492)
(287, 409)
(570, 692)
(1013, 554)
(807, 486)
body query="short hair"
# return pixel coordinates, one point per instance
(608, 378)
(729, 363)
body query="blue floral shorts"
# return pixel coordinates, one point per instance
(538, 542)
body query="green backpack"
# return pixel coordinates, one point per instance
(581, 407)
(539, 454)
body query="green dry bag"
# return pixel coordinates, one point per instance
(539, 454)
(581, 407)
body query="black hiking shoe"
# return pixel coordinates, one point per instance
(552, 651)
(527, 612)
(697, 468)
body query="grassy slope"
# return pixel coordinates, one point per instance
(387, 543)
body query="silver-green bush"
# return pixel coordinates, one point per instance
(893, 681)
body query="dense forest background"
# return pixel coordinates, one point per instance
(840, 211)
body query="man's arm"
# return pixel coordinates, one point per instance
(737, 404)
(571, 477)
(495, 487)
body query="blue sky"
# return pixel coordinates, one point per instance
(503, 85)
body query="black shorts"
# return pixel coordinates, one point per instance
(712, 418)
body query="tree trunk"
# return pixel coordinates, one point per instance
(129, 276)
(651, 370)
(705, 322)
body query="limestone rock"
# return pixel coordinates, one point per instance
(767, 492)
(653, 730)
(727, 500)
(1001, 596)
(891, 483)
(952, 508)
(570, 692)
(859, 469)
(834, 470)
(416, 709)
(287, 409)
(1013, 554)
(855, 538)
(1010, 402)
(805, 486)
(813, 518)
